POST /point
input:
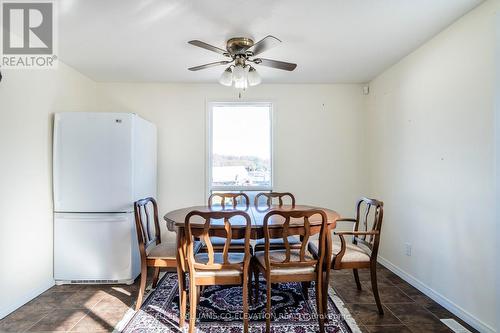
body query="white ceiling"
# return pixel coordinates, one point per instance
(330, 40)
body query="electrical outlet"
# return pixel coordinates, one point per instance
(408, 249)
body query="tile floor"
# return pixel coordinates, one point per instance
(76, 308)
(406, 309)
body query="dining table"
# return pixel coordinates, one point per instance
(176, 221)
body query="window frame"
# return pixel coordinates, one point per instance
(209, 127)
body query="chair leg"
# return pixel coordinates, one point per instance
(245, 287)
(198, 294)
(182, 298)
(356, 278)
(319, 303)
(256, 285)
(373, 273)
(142, 287)
(305, 289)
(268, 305)
(325, 283)
(156, 275)
(250, 284)
(193, 290)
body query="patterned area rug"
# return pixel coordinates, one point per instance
(220, 310)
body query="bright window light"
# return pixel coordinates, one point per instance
(240, 157)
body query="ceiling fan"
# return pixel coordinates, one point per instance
(241, 52)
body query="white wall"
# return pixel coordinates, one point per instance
(427, 126)
(317, 137)
(497, 152)
(28, 99)
(430, 136)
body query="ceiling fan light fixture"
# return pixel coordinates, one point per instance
(241, 84)
(226, 79)
(241, 51)
(240, 74)
(253, 77)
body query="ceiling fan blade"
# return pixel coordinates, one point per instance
(287, 66)
(264, 44)
(209, 47)
(212, 64)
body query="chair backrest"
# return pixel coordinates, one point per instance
(275, 227)
(270, 195)
(232, 196)
(147, 226)
(207, 227)
(369, 215)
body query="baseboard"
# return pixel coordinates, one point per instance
(4, 312)
(437, 297)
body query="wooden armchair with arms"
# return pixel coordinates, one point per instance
(361, 252)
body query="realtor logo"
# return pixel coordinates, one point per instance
(28, 35)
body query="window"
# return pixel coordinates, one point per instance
(240, 149)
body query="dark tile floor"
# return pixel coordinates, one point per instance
(406, 309)
(73, 308)
(76, 308)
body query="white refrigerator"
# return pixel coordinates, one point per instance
(102, 163)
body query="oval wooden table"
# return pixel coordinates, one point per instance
(176, 219)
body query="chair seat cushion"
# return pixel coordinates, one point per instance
(164, 250)
(278, 242)
(221, 241)
(279, 256)
(353, 253)
(233, 258)
(167, 250)
(218, 273)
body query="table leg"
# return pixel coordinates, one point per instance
(180, 276)
(328, 266)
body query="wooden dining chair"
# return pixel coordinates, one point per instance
(276, 243)
(271, 195)
(233, 197)
(289, 264)
(361, 252)
(217, 268)
(237, 245)
(152, 251)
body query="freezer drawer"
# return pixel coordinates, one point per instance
(95, 248)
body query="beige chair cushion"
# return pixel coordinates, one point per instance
(218, 273)
(221, 241)
(162, 251)
(353, 253)
(279, 255)
(233, 258)
(277, 242)
(167, 250)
